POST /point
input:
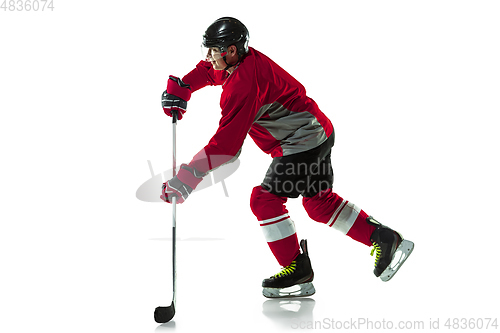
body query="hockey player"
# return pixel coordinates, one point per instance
(262, 100)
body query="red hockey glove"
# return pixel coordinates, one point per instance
(181, 185)
(175, 97)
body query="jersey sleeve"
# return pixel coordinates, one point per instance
(224, 147)
(203, 75)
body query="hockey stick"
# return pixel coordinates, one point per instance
(164, 314)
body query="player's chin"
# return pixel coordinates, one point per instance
(215, 66)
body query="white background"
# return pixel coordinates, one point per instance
(412, 88)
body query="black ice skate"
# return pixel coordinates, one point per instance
(391, 250)
(294, 280)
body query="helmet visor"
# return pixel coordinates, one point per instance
(211, 53)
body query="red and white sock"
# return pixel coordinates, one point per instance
(331, 209)
(278, 228)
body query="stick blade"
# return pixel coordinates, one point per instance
(163, 314)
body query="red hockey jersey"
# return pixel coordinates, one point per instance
(262, 100)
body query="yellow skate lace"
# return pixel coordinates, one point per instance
(287, 270)
(377, 248)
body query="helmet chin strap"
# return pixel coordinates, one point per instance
(228, 65)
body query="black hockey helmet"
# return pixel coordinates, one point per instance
(225, 32)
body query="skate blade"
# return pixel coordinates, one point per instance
(402, 253)
(299, 290)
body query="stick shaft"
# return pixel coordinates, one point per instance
(174, 206)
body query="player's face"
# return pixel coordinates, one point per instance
(219, 64)
(215, 58)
